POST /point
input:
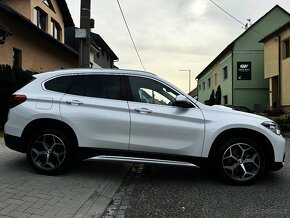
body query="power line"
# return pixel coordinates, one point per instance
(234, 17)
(227, 13)
(130, 35)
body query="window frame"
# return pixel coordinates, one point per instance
(49, 4)
(208, 83)
(37, 12)
(17, 57)
(223, 73)
(286, 48)
(55, 29)
(227, 98)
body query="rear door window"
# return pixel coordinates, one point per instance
(105, 86)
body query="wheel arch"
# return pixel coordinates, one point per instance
(257, 137)
(46, 123)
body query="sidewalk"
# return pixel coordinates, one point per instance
(84, 191)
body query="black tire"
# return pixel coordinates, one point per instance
(50, 151)
(240, 161)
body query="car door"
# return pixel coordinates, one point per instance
(157, 125)
(96, 110)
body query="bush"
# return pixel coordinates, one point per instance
(212, 98)
(282, 119)
(218, 95)
(11, 79)
(275, 113)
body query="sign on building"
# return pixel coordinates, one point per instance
(244, 71)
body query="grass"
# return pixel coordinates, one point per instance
(1, 134)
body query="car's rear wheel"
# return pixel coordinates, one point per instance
(241, 161)
(49, 151)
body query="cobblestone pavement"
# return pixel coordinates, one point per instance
(84, 191)
(175, 191)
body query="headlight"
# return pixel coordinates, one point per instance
(274, 127)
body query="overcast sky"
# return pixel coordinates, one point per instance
(172, 35)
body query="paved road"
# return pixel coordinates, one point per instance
(85, 191)
(171, 191)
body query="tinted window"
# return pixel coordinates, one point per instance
(99, 86)
(78, 85)
(105, 86)
(150, 91)
(59, 84)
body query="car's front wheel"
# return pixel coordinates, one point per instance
(241, 161)
(49, 151)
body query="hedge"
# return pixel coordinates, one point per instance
(11, 79)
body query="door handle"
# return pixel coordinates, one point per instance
(74, 102)
(143, 110)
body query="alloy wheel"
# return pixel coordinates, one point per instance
(48, 152)
(241, 162)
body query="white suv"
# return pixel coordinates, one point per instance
(83, 113)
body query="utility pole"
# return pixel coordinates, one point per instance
(85, 27)
(189, 79)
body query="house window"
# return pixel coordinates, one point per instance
(96, 56)
(286, 48)
(17, 57)
(203, 86)
(49, 4)
(225, 99)
(40, 19)
(55, 30)
(199, 87)
(208, 83)
(225, 73)
(215, 79)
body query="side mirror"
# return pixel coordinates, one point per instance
(182, 101)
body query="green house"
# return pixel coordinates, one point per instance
(239, 68)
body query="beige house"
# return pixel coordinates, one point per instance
(37, 35)
(277, 67)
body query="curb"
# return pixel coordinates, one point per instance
(98, 202)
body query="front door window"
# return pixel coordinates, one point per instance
(150, 91)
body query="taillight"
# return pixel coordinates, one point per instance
(16, 100)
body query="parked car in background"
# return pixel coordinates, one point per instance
(82, 113)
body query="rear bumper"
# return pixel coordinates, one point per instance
(14, 143)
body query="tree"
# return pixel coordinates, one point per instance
(212, 98)
(218, 95)
(11, 79)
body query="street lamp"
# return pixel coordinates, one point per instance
(189, 79)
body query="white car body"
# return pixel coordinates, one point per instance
(124, 125)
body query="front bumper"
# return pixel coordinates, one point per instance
(276, 166)
(14, 143)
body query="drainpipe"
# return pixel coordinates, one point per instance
(279, 74)
(197, 89)
(232, 76)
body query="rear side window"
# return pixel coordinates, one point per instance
(59, 84)
(98, 86)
